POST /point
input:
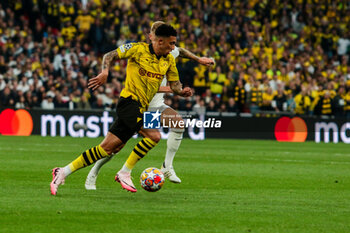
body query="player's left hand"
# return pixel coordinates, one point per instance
(207, 61)
(186, 92)
(98, 81)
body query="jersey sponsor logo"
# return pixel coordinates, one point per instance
(144, 72)
(290, 130)
(18, 122)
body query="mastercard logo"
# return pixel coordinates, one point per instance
(290, 130)
(18, 122)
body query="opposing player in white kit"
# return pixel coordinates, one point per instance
(175, 134)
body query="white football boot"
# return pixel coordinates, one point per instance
(90, 182)
(169, 173)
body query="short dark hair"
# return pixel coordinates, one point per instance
(166, 30)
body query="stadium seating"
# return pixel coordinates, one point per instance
(272, 57)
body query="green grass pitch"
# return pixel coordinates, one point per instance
(227, 186)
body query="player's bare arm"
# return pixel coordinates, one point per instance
(176, 87)
(101, 79)
(108, 58)
(202, 60)
(164, 89)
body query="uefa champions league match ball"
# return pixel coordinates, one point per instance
(152, 179)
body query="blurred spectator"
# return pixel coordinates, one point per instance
(62, 61)
(324, 105)
(59, 102)
(188, 106)
(347, 104)
(2, 83)
(23, 85)
(267, 99)
(97, 36)
(231, 105)
(255, 97)
(291, 105)
(223, 107)
(21, 103)
(212, 107)
(98, 104)
(47, 103)
(339, 102)
(240, 95)
(84, 21)
(199, 107)
(83, 104)
(302, 102)
(344, 45)
(7, 97)
(217, 81)
(69, 31)
(200, 80)
(279, 102)
(287, 46)
(185, 104)
(35, 103)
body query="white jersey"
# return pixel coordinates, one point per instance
(158, 99)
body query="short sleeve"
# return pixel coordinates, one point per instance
(172, 73)
(127, 50)
(175, 52)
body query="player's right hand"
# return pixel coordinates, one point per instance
(186, 92)
(98, 81)
(207, 61)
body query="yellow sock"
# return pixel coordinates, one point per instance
(139, 151)
(88, 157)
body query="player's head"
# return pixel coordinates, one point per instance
(154, 27)
(165, 39)
(165, 30)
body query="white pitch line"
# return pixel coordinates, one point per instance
(300, 161)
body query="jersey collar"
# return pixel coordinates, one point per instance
(150, 46)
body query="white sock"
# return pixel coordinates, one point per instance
(125, 169)
(67, 171)
(173, 144)
(99, 163)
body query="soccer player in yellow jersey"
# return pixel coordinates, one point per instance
(147, 65)
(157, 104)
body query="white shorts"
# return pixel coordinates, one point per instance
(160, 108)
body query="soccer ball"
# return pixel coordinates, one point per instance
(152, 179)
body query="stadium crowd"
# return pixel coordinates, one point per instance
(272, 56)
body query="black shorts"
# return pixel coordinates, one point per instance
(128, 120)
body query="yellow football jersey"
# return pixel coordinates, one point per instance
(145, 71)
